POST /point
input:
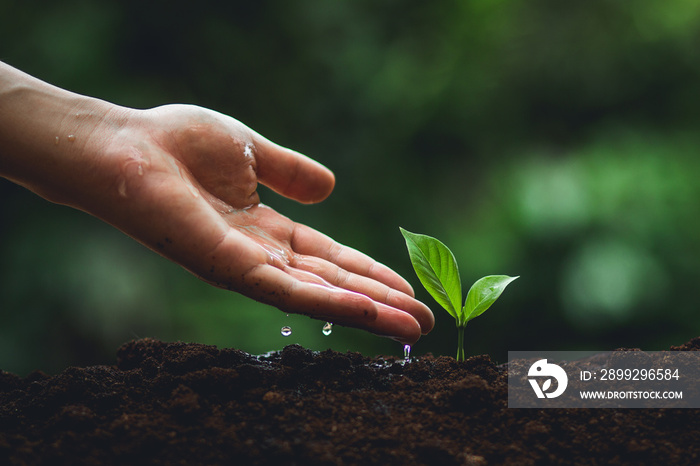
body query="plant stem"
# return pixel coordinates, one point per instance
(460, 343)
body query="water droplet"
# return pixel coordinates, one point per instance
(248, 151)
(407, 352)
(327, 329)
(55, 142)
(140, 170)
(286, 331)
(71, 137)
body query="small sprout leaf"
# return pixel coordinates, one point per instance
(437, 270)
(483, 294)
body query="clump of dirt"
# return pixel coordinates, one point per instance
(177, 403)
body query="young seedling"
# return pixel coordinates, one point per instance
(437, 270)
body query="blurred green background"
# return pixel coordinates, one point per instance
(553, 140)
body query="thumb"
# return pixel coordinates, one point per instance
(290, 173)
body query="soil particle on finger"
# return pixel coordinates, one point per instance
(177, 403)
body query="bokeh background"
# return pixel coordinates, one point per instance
(553, 140)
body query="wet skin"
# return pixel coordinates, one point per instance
(207, 166)
(183, 181)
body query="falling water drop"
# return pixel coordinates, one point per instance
(286, 331)
(327, 329)
(407, 352)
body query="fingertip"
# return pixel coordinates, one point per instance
(292, 174)
(408, 304)
(427, 323)
(397, 325)
(319, 187)
(330, 183)
(408, 338)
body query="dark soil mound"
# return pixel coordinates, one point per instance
(176, 403)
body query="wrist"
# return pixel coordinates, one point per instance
(51, 140)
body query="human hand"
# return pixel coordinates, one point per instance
(182, 180)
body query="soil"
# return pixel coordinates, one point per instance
(177, 403)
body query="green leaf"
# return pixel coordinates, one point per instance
(483, 294)
(437, 270)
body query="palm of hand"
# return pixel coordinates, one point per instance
(199, 207)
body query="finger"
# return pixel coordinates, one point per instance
(339, 277)
(395, 324)
(309, 296)
(320, 301)
(309, 242)
(390, 323)
(290, 173)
